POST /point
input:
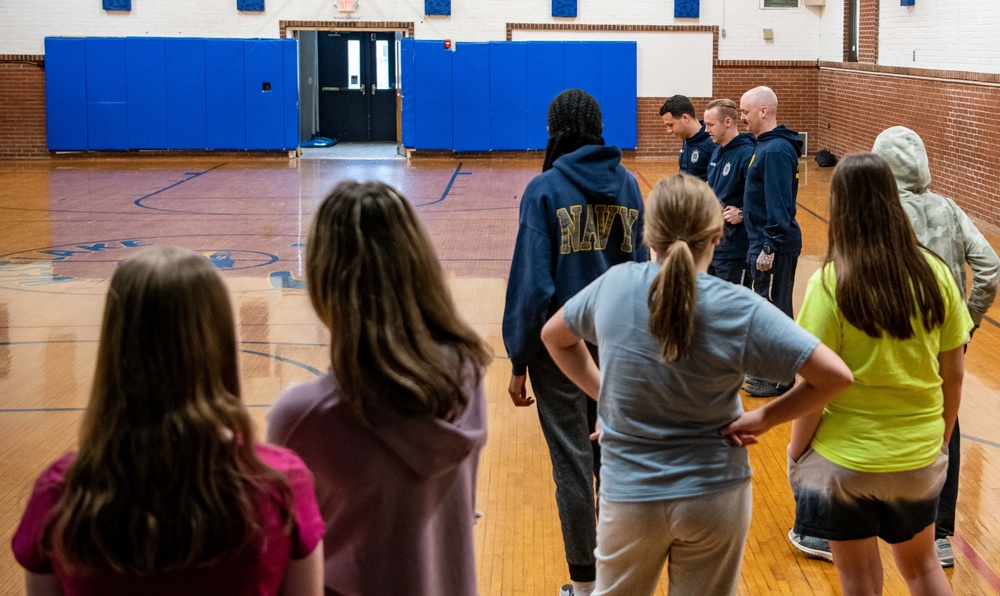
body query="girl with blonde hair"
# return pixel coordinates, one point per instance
(394, 430)
(675, 344)
(168, 492)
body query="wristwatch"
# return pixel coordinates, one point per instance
(768, 250)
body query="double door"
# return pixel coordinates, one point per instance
(357, 78)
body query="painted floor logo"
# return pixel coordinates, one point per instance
(92, 263)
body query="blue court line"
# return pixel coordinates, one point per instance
(813, 213)
(447, 189)
(287, 360)
(191, 176)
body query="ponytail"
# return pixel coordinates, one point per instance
(672, 302)
(682, 216)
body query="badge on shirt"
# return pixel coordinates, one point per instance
(725, 170)
(694, 156)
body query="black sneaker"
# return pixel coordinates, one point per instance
(817, 548)
(764, 390)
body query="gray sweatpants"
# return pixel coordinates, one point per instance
(567, 416)
(702, 538)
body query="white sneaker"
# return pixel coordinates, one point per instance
(944, 553)
(566, 590)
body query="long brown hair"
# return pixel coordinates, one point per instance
(682, 215)
(375, 282)
(166, 475)
(883, 277)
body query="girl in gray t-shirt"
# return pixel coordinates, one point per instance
(675, 345)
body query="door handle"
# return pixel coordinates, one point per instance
(364, 89)
(373, 88)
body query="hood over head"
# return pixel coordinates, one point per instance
(907, 156)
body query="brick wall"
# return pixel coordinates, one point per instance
(795, 83)
(868, 32)
(956, 119)
(22, 107)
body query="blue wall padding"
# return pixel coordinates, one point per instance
(146, 82)
(107, 114)
(265, 108)
(187, 121)
(509, 94)
(433, 96)
(564, 8)
(66, 93)
(106, 70)
(471, 73)
(117, 4)
(443, 102)
(582, 66)
(407, 89)
(107, 125)
(254, 5)
(686, 9)
(170, 93)
(225, 95)
(618, 93)
(290, 53)
(437, 7)
(544, 82)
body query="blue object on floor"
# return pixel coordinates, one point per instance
(318, 141)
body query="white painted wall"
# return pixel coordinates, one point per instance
(25, 23)
(656, 74)
(831, 31)
(952, 35)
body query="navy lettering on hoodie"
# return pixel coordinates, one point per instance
(577, 220)
(771, 190)
(727, 175)
(595, 234)
(695, 154)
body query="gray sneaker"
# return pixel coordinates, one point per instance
(943, 546)
(817, 548)
(566, 590)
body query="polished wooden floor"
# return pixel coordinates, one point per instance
(64, 224)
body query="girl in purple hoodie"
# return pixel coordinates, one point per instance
(393, 431)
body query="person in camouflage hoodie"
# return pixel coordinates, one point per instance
(946, 231)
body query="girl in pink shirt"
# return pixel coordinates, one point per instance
(168, 492)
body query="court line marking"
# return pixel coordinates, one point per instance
(977, 562)
(301, 365)
(190, 176)
(447, 189)
(643, 178)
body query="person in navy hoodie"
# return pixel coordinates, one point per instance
(678, 116)
(580, 216)
(727, 170)
(772, 186)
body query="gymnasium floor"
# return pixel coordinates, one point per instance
(65, 223)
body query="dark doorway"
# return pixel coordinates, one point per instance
(357, 85)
